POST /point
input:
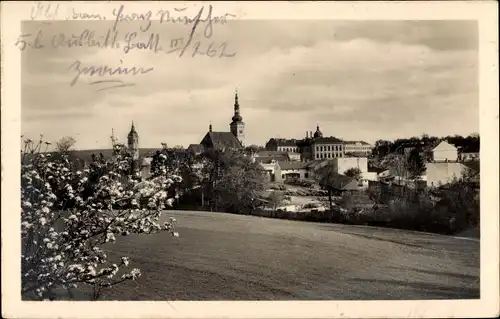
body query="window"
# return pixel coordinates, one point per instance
(306, 175)
(317, 155)
(329, 155)
(283, 176)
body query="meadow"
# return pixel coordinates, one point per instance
(233, 257)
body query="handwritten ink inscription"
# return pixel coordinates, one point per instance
(140, 40)
(104, 70)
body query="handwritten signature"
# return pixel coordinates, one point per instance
(48, 11)
(105, 70)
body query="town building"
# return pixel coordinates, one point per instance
(234, 139)
(294, 171)
(469, 153)
(312, 147)
(282, 145)
(133, 143)
(445, 152)
(357, 148)
(441, 173)
(272, 167)
(327, 148)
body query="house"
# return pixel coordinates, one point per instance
(342, 164)
(327, 148)
(279, 155)
(445, 152)
(440, 173)
(272, 167)
(294, 170)
(357, 148)
(469, 153)
(340, 184)
(282, 145)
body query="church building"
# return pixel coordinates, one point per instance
(234, 139)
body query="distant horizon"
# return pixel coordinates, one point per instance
(52, 148)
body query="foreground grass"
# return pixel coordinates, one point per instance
(233, 257)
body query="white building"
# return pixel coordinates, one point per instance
(357, 147)
(440, 173)
(272, 167)
(445, 152)
(344, 163)
(294, 170)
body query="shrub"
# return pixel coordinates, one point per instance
(66, 218)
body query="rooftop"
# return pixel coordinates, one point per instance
(327, 140)
(285, 165)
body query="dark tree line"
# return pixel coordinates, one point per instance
(384, 147)
(225, 180)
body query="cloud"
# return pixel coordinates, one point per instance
(358, 80)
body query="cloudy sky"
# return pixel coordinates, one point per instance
(357, 80)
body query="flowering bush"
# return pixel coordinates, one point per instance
(67, 215)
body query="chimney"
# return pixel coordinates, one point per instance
(307, 134)
(311, 134)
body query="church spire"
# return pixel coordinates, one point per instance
(236, 117)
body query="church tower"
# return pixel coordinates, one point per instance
(237, 126)
(133, 143)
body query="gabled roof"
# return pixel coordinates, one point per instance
(356, 142)
(292, 165)
(444, 145)
(342, 182)
(221, 140)
(271, 153)
(284, 141)
(327, 140)
(474, 165)
(197, 148)
(268, 159)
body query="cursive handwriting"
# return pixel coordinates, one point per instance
(104, 70)
(165, 16)
(87, 38)
(76, 15)
(114, 84)
(131, 41)
(47, 12)
(153, 43)
(120, 16)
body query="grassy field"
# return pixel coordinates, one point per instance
(233, 257)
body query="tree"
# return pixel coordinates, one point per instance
(353, 172)
(65, 144)
(382, 148)
(242, 182)
(275, 199)
(66, 218)
(252, 149)
(326, 176)
(236, 182)
(415, 164)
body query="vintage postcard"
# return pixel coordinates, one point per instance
(250, 160)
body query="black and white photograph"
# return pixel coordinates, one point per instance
(187, 152)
